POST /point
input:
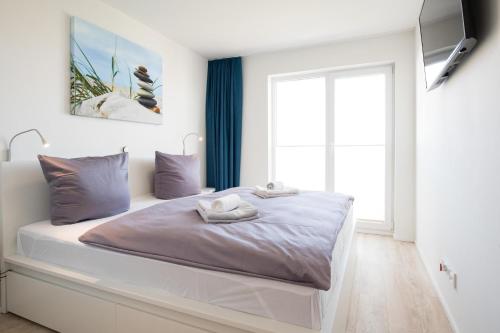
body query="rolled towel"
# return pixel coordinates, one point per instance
(204, 205)
(275, 185)
(226, 203)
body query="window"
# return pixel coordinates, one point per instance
(333, 131)
(300, 132)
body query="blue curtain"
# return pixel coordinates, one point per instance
(223, 116)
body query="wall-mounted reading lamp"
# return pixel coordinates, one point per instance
(200, 139)
(45, 143)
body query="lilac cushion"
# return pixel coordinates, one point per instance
(86, 188)
(176, 176)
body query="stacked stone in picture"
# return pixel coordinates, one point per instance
(146, 97)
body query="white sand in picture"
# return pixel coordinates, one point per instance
(118, 107)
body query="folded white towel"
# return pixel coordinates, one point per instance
(226, 203)
(245, 212)
(275, 185)
(266, 194)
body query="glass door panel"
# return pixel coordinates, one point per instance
(301, 167)
(360, 107)
(360, 172)
(300, 133)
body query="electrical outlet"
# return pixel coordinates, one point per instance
(453, 278)
(452, 275)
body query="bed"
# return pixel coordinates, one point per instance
(112, 291)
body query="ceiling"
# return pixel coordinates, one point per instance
(225, 28)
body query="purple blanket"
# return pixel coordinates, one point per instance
(291, 241)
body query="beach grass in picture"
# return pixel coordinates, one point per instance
(113, 78)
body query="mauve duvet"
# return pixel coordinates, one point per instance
(291, 241)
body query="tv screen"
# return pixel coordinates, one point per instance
(447, 35)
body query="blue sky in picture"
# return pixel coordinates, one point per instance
(99, 46)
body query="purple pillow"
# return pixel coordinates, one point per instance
(86, 188)
(176, 176)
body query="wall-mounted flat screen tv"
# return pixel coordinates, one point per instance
(447, 35)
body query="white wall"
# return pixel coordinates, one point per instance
(458, 180)
(34, 84)
(396, 48)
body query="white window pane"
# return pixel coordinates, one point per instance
(300, 112)
(360, 172)
(301, 167)
(360, 106)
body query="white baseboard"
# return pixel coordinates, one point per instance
(445, 305)
(360, 230)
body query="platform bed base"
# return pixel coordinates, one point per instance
(70, 302)
(66, 301)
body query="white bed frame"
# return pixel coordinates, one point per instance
(67, 301)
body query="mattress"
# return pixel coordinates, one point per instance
(290, 303)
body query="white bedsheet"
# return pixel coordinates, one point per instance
(298, 305)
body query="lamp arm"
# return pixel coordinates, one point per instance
(21, 133)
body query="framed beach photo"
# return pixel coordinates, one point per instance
(112, 77)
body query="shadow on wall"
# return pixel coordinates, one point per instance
(485, 17)
(3, 152)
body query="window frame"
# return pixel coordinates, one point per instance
(330, 75)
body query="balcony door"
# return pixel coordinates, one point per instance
(333, 131)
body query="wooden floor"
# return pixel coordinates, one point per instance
(392, 293)
(13, 324)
